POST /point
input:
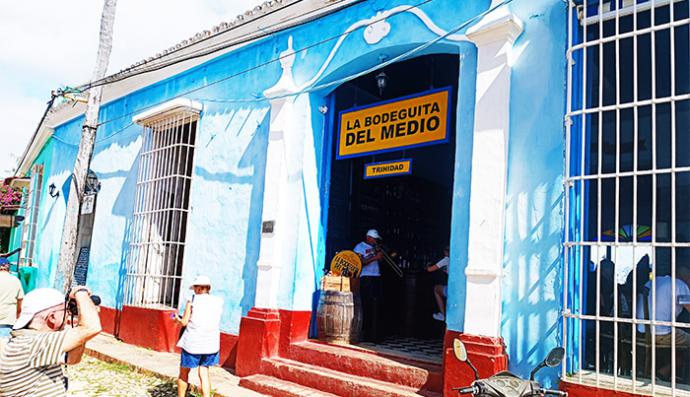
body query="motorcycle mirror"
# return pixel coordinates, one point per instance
(461, 354)
(555, 357)
(552, 360)
(459, 350)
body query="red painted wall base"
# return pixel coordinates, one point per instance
(154, 329)
(259, 336)
(576, 390)
(109, 319)
(487, 354)
(294, 327)
(267, 333)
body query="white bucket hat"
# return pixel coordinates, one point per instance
(200, 280)
(36, 301)
(373, 233)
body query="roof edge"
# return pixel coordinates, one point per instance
(284, 17)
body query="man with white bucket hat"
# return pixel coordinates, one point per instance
(40, 343)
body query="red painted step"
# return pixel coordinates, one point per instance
(413, 374)
(339, 383)
(275, 387)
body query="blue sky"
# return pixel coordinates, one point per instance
(48, 44)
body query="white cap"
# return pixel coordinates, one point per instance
(201, 280)
(374, 234)
(37, 301)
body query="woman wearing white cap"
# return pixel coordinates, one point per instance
(200, 342)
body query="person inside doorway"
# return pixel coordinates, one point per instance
(370, 285)
(441, 284)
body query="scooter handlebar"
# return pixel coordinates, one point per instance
(468, 390)
(547, 392)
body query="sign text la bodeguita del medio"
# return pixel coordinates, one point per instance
(417, 120)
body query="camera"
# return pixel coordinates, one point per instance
(72, 304)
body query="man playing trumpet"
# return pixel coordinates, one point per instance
(370, 285)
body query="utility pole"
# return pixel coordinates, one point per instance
(70, 231)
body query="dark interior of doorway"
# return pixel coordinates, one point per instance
(412, 212)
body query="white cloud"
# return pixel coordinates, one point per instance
(48, 44)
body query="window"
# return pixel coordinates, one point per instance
(161, 209)
(627, 240)
(32, 198)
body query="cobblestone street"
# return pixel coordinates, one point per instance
(93, 378)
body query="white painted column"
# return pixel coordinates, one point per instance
(268, 274)
(494, 36)
(282, 185)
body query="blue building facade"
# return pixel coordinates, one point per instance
(264, 117)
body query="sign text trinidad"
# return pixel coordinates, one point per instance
(417, 120)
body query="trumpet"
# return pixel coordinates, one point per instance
(389, 259)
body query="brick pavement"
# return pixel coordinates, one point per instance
(162, 365)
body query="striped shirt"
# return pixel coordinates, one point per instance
(30, 365)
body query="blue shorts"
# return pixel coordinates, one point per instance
(5, 330)
(189, 360)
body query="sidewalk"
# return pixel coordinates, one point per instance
(162, 365)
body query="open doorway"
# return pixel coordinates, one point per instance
(411, 211)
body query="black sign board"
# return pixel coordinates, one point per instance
(82, 267)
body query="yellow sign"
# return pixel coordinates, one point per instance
(346, 263)
(388, 168)
(402, 123)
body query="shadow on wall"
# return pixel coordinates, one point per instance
(124, 207)
(532, 286)
(533, 278)
(253, 158)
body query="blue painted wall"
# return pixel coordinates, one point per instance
(532, 286)
(230, 160)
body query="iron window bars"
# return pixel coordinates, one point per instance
(158, 230)
(627, 195)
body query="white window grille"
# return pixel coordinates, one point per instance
(32, 198)
(627, 239)
(158, 232)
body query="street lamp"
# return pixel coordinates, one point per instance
(382, 78)
(381, 82)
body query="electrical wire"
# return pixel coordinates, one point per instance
(263, 32)
(231, 42)
(312, 88)
(49, 105)
(85, 87)
(297, 51)
(351, 77)
(230, 29)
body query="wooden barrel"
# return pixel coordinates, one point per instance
(334, 316)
